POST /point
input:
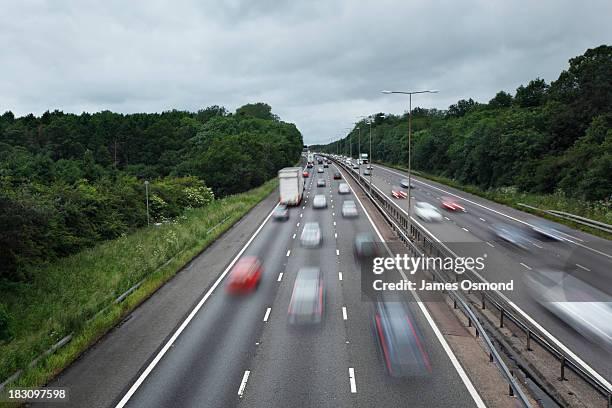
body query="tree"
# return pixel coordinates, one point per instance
(531, 95)
(501, 100)
(461, 108)
(257, 110)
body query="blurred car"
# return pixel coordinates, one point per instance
(311, 235)
(344, 188)
(319, 201)
(320, 169)
(547, 229)
(245, 275)
(281, 213)
(404, 183)
(451, 204)
(319, 161)
(349, 209)
(427, 212)
(355, 166)
(321, 182)
(367, 172)
(337, 176)
(365, 246)
(326, 164)
(308, 297)
(370, 167)
(585, 308)
(399, 341)
(305, 174)
(511, 234)
(398, 192)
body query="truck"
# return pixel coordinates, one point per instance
(291, 185)
(363, 159)
(310, 158)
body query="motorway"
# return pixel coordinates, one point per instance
(470, 233)
(240, 351)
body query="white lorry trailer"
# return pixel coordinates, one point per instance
(291, 185)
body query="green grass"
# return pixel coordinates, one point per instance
(67, 296)
(598, 211)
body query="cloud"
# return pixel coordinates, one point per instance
(319, 64)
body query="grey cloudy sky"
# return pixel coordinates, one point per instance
(319, 64)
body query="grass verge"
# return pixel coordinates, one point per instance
(76, 294)
(511, 197)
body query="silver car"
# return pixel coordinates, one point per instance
(343, 188)
(427, 212)
(319, 201)
(311, 235)
(321, 182)
(349, 209)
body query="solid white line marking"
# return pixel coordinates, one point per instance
(188, 319)
(352, 380)
(583, 267)
(344, 317)
(482, 219)
(268, 310)
(245, 378)
(465, 229)
(339, 275)
(537, 246)
(490, 244)
(526, 266)
(337, 252)
(288, 252)
(280, 277)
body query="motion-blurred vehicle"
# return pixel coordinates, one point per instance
(281, 213)
(337, 176)
(365, 246)
(320, 169)
(305, 174)
(319, 161)
(326, 164)
(310, 165)
(321, 182)
(398, 192)
(367, 172)
(548, 230)
(319, 201)
(404, 183)
(511, 234)
(349, 209)
(399, 341)
(585, 308)
(308, 297)
(291, 185)
(427, 212)
(343, 188)
(451, 204)
(370, 167)
(355, 165)
(245, 275)
(311, 235)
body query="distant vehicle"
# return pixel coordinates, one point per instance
(511, 234)
(365, 246)
(305, 174)
(364, 158)
(404, 183)
(427, 212)
(367, 172)
(310, 158)
(320, 182)
(398, 192)
(308, 297)
(337, 176)
(319, 201)
(291, 185)
(310, 165)
(355, 165)
(320, 170)
(245, 275)
(281, 213)
(399, 342)
(311, 235)
(370, 167)
(451, 204)
(319, 161)
(326, 165)
(344, 188)
(349, 209)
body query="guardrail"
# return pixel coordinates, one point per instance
(410, 233)
(573, 217)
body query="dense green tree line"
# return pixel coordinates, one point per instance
(545, 137)
(69, 181)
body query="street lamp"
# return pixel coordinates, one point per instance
(410, 93)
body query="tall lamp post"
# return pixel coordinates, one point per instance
(409, 93)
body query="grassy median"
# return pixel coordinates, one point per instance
(509, 196)
(76, 294)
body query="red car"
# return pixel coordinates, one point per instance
(305, 174)
(451, 204)
(245, 275)
(397, 192)
(337, 176)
